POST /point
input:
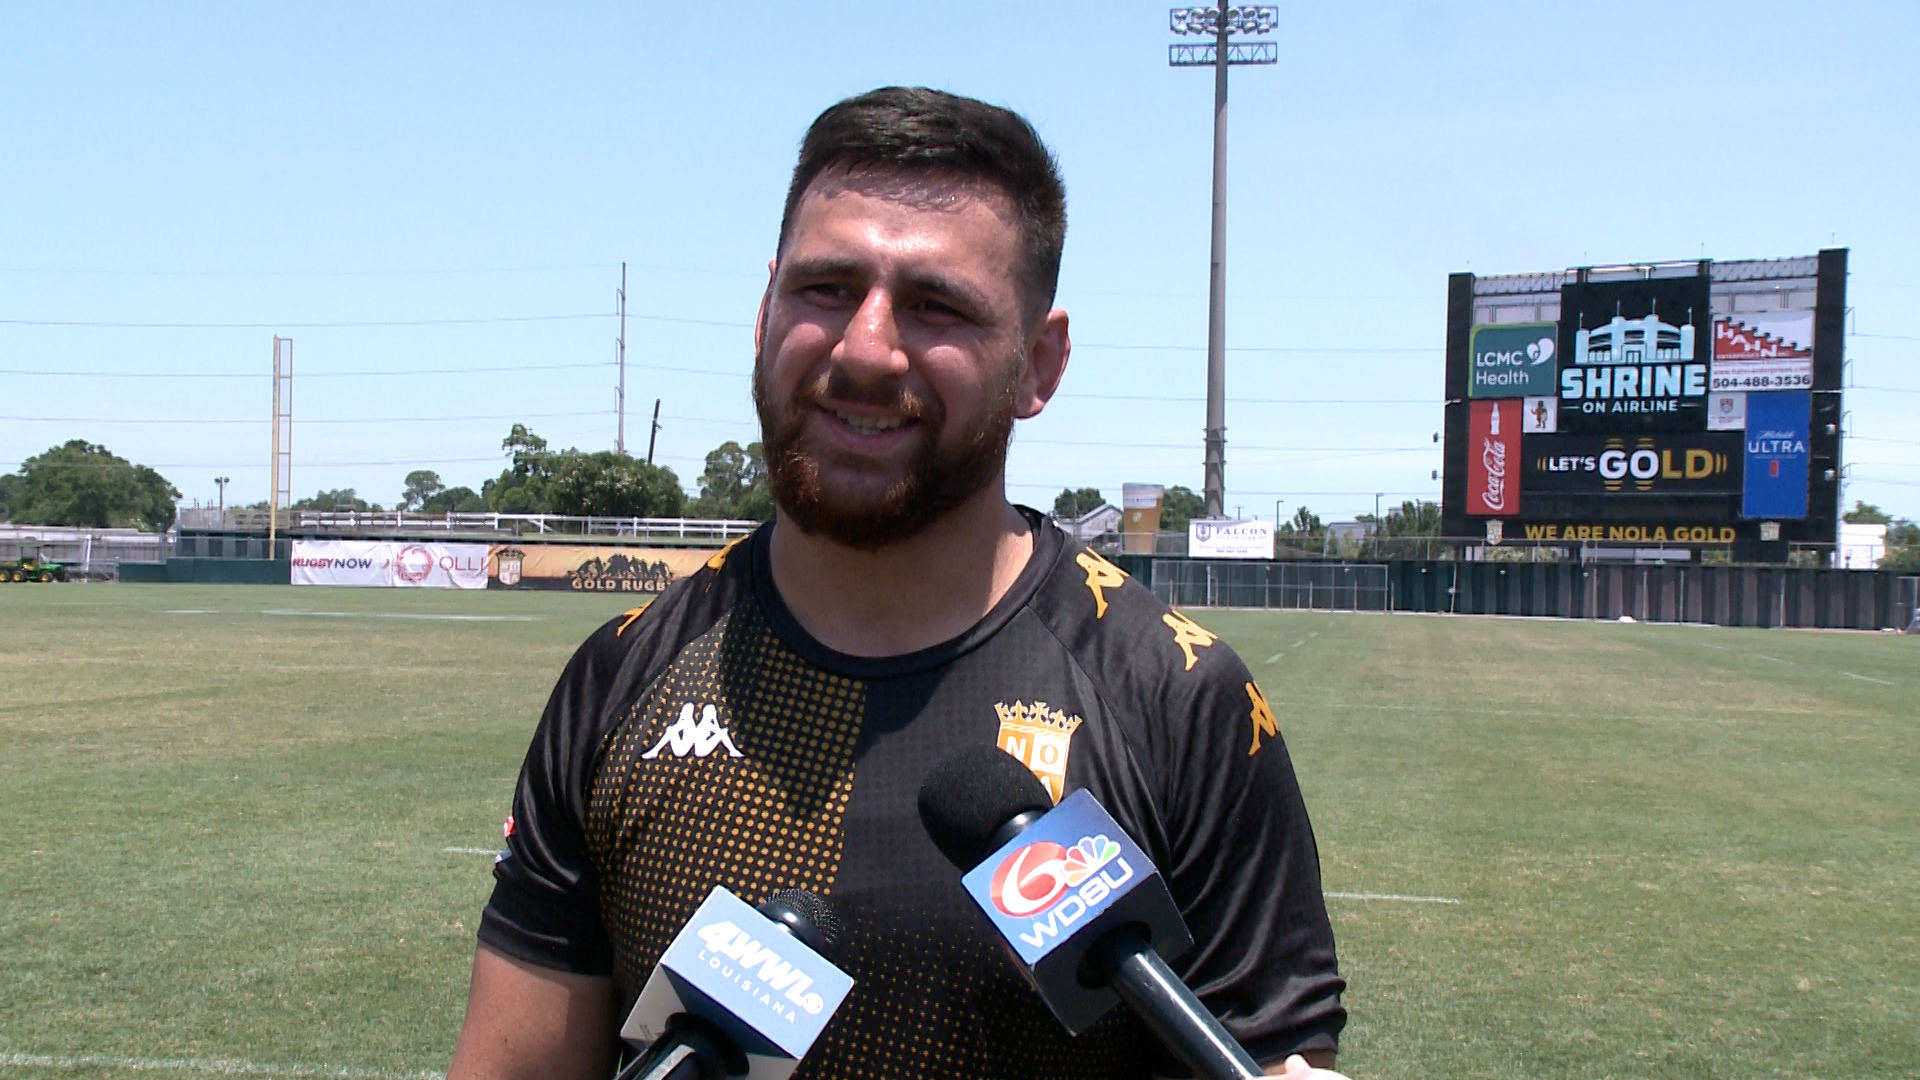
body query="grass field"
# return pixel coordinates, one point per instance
(1677, 851)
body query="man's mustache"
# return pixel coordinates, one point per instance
(838, 386)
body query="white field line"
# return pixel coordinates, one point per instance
(1775, 659)
(473, 851)
(1276, 656)
(1395, 897)
(208, 1067)
(402, 615)
(191, 611)
(1868, 678)
(1297, 644)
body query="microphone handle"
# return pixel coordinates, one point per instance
(678, 1062)
(689, 1049)
(1174, 1015)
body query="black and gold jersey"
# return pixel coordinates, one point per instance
(709, 740)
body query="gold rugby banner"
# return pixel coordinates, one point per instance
(580, 568)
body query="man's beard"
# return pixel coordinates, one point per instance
(936, 481)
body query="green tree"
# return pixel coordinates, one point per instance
(521, 488)
(1412, 519)
(1903, 547)
(609, 484)
(1072, 502)
(420, 486)
(1178, 506)
(455, 500)
(84, 484)
(734, 484)
(337, 501)
(9, 493)
(1865, 513)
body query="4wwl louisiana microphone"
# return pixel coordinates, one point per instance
(740, 992)
(1085, 913)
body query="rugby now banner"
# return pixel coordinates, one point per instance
(386, 564)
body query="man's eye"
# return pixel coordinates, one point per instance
(934, 309)
(828, 293)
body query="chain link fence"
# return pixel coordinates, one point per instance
(1294, 586)
(87, 553)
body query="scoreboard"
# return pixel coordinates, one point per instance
(1692, 404)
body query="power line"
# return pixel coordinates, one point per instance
(1260, 348)
(1255, 401)
(304, 375)
(422, 272)
(303, 420)
(1243, 446)
(249, 464)
(93, 324)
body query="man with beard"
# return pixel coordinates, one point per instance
(767, 723)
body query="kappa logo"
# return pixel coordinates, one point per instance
(686, 737)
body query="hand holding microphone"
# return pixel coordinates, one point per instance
(1083, 910)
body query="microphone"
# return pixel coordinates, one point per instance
(740, 992)
(1085, 913)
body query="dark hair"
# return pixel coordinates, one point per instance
(928, 132)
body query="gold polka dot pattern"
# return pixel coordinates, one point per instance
(937, 1000)
(663, 831)
(933, 996)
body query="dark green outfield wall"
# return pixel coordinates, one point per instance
(210, 572)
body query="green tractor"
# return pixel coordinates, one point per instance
(32, 568)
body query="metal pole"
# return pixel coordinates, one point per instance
(1216, 460)
(655, 433)
(620, 394)
(273, 486)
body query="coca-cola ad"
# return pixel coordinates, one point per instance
(1493, 458)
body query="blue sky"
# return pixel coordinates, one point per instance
(330, 171)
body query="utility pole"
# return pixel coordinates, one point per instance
(280, 470)
(1219, 22)
(620, 354)
(655, 433)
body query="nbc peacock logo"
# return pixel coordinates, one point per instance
(1033, 878)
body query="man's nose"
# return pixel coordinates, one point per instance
(871, 347)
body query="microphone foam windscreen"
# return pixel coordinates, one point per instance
(966, 799)
(809, 916)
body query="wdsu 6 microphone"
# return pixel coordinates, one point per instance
(740, 992)
(1086, 915)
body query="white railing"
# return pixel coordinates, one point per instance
(497, 524)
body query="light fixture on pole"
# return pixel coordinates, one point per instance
(1219, 22)
(222, 481)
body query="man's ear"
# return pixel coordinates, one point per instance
(1046, 363)
(760, 320)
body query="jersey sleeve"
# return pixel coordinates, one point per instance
(1244, 866)
(545, 906)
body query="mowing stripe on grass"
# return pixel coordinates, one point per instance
(402, 615)
(1868, 678)
(1395, 897)
(208, 1067)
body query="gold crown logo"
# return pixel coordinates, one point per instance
(1037, 715)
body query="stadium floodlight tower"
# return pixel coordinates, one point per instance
(1220, 22)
